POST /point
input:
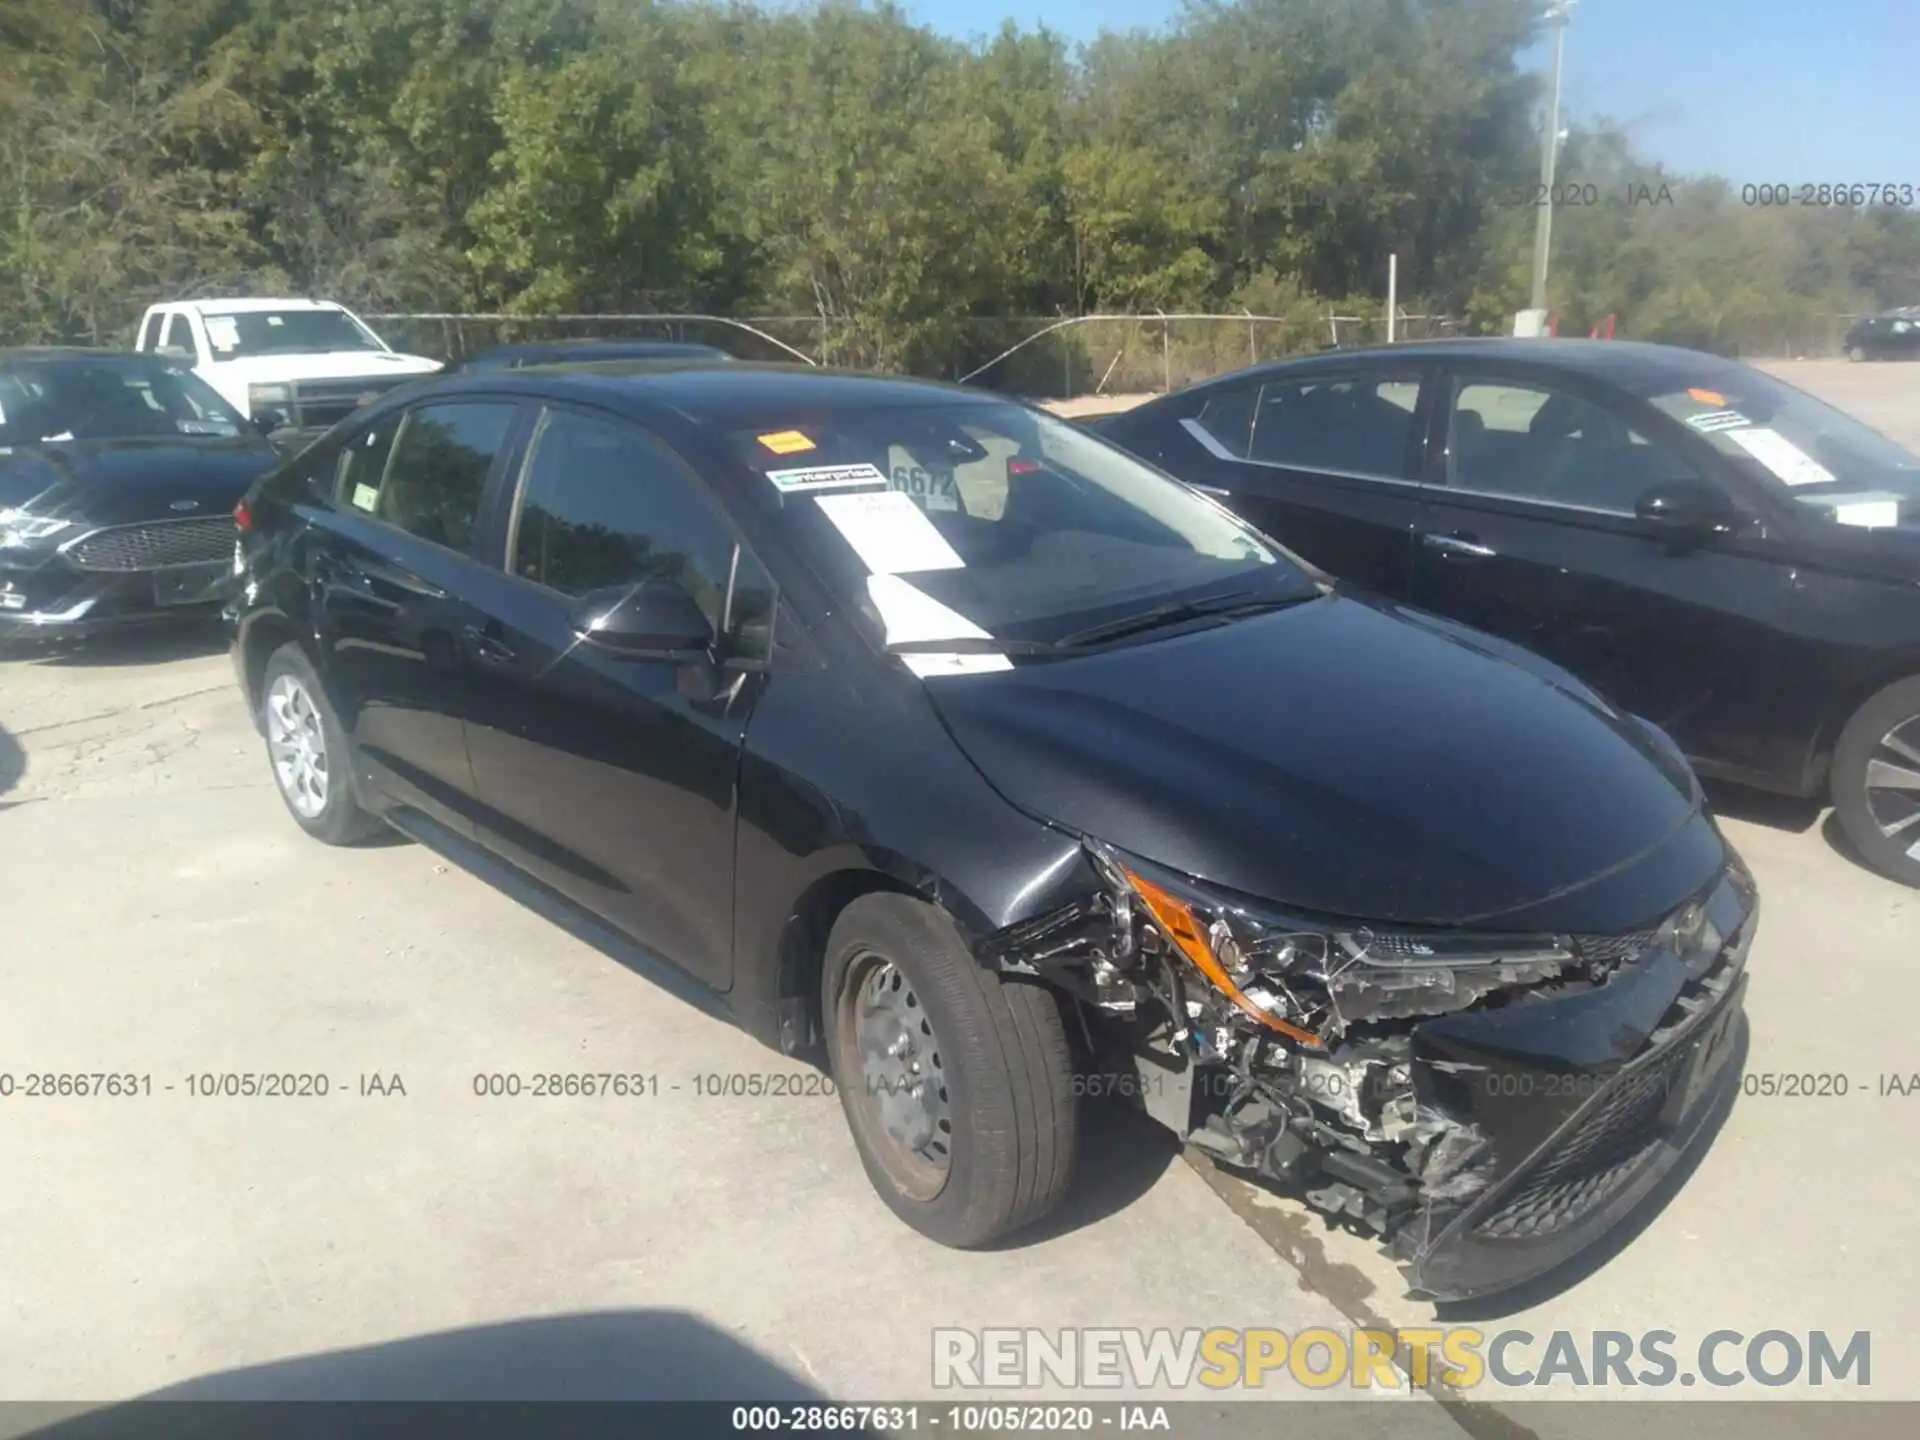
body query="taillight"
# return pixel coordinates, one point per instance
(242, 518)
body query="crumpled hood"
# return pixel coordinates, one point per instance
(1350, 759)
(111, 482)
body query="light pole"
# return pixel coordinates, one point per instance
(1559, 14)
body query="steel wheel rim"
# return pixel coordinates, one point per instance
(903, 1088)
(297, 744)
(1893, 785)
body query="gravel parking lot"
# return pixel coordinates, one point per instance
(402, 1234)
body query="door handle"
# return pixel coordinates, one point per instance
(1458, 543)
(487, 646)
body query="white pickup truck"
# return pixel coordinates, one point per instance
(297, 367)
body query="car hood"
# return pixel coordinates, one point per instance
(1351, 759)
(111, 482)
(323, 365)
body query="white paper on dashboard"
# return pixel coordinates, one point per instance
(223, 332)
(891, 534)
(1873, 509)
(911, 615)
(1780, 455)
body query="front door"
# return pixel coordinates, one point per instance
(1530, 532)
(609, 776)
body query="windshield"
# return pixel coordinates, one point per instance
(992, 522)
(108, 398)
(237, 334)
(1825, 458)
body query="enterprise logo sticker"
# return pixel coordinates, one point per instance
(828, 477)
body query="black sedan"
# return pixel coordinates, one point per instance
(568, 352)
(1709, 547)
(1894, 335)
(932, 730)
(118, 478)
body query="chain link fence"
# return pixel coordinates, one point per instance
(1061, 357)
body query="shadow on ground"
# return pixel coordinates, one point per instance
(13, 763)
(1784, 812)
(615, 1355)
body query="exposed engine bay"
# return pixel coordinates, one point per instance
(1285, 1046)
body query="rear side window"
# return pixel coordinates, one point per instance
(179, 334)
(1359, 425)
(363, 465)
(436, 476)
(605, 505)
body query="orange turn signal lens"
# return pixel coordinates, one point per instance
(1176, 918)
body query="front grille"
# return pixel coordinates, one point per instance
(1597, 1158)
(156, 546)
(1608, 952)
(322, 404)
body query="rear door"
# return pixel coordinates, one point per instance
(1326, 462)
(611, 776)
(1529, 532)
(393, 572)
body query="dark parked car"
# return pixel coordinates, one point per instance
(936, 732)
(1894, 335)
(118, 477)
(574, 352)
(1706, 546)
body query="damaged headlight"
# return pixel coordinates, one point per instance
(18, 529)
(1310, 980)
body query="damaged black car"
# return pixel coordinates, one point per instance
(941, 739)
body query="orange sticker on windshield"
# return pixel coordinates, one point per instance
(1707, 397)
(785, 442)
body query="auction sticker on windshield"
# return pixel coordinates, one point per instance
(890, 534)
(223, 332)
(930, 489)
(828, 477)
(785, 442)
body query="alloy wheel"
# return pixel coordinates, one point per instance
(1893, 784)
(297, 743)
(902, 1077)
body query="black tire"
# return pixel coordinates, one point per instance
(1866, 811)
(1856, 354)
(1011, 1123)
(338, 819)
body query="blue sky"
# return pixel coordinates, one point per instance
(1789, 91)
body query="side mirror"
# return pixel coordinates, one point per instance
(268, 421)
(1690, 508)
(657, 619)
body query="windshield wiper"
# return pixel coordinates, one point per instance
(975, 645)
(1233, 604)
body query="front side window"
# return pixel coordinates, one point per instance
(966, 518)
(240, 334)
(436, 477)
(362, 464)
(179, 334)
(1533, 442)
(606, 506)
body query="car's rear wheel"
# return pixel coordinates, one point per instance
(1856, 353)
(309, 753)
(1876, 781)
(957, 1084)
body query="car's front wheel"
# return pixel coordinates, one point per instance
(309, 753)
(1876, 781)
(1856, 353)
(957, 1084)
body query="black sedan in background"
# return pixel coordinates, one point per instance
(567, 352)
(118, 478)
(1705, 545)
(933, 730)
(1894, 335)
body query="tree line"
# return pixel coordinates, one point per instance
(844, 163)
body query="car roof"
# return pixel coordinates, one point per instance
(77, 352)
(242, 307)
(719, 391)
(1632, 365)
(611, 348)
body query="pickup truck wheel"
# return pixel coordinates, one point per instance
(1876, 781)
(307, 747)
(957, 1085)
